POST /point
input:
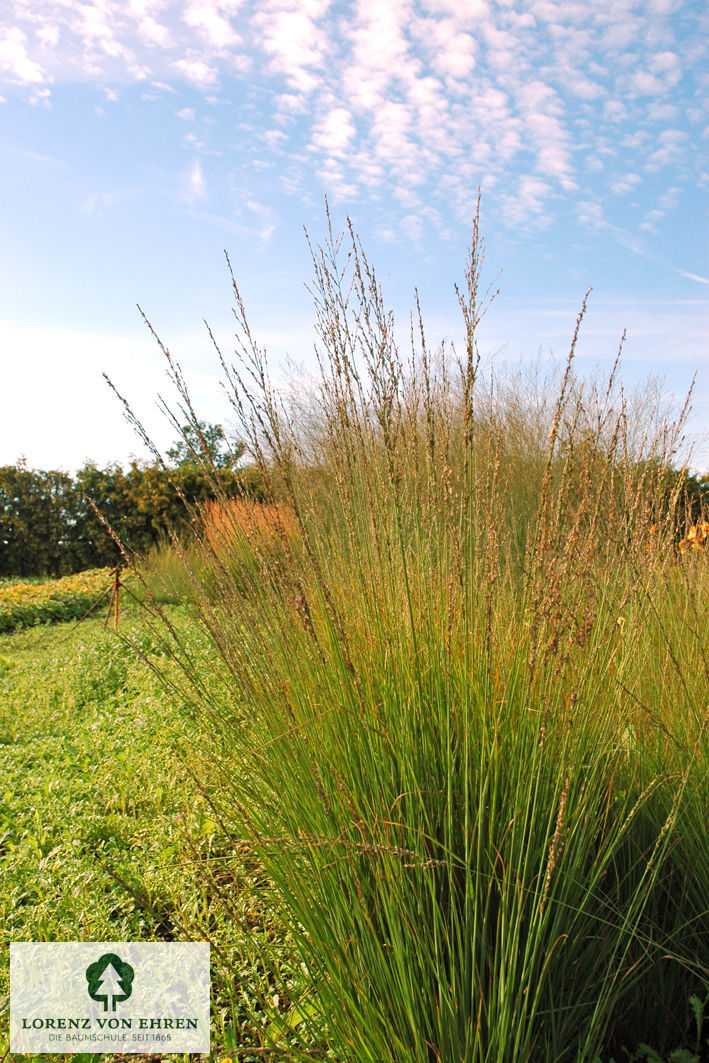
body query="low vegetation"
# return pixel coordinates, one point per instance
(105, 834)
(23, 604)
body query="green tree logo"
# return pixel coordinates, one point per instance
(110, 980)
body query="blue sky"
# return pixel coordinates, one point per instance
(142, 138)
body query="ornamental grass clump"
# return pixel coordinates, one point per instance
(464, 725)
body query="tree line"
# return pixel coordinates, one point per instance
(53, 523)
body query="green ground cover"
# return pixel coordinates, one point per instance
(104, 834)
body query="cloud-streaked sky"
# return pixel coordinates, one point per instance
(140, 138)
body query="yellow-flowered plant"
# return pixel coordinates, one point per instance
(23, 604)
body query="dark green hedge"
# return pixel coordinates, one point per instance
(48, 526)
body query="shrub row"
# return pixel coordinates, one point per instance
(49, 524)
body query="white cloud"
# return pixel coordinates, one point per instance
(615, 111)
(625, 183)
(15, 61)
(648, 222)
(466, 10)
(670, 197)
(254, 217)
(288, 104)
(531, 95)
(586, 89)
(663, 7)
(48, 35)
(528, 200)
(644, 83)
(590, 213)
(290, 36)
(154, 32)
(669, 149)
(193, 184)
(335, 132)
(196, 71)
(693, 277)
(273, 137)
(663, 112)
(412, 227)
(159, 87)
(450, 51)
(212, 24)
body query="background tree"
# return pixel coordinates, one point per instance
(207, 442)
(50, 522)
(38, 512)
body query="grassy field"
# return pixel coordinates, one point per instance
(104, 834)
